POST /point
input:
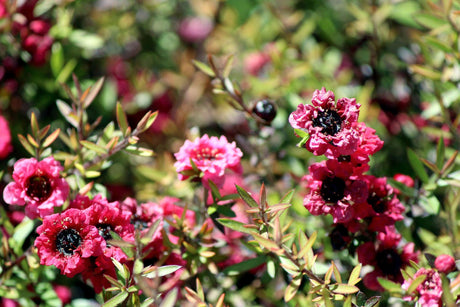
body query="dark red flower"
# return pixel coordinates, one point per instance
(334, 191)
(386, 258)
(67, 241)
(330, 125)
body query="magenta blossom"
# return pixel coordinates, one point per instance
(67, 241)
(37, 185)
(445, 264)
(333, 191)
(429, 292)
(330, 125)
(107, 218)
(212, 156)
(5, 138)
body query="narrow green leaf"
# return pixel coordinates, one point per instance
(93, 93)
(26, 145)
(34, 125)
(345, 289)
(292, 288)
(121, 119)
(415, 283)
(354, 276)
(116, 300)
(246, 197)
(228, 66)
(244, 266)
(66, 111)
(390, 285)
(429, 20)
(140, 151)
(148, 302)
(287, 198)
(66, 71)
(425, 72)
(51, 138)
(235, 225)
(170, 299)
(271, 268)
(204, 68)
(94, 147)
(56, 59)
(417, 165)
(154, 272)
(267, 243)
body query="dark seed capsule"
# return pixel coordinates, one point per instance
(265, 109)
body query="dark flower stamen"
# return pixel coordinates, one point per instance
(332, 189)
(104, 231)
(38, 187)
(378, 203)
(329, 120)
(67, 241)
(389, 261)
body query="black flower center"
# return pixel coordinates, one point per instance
(343, 158)
(378, 203)
(104, 231)
(67, 241)
(389, 261)
(329, 120)
(332, 189)
(139, 223)
(339, 237)
(38, 187)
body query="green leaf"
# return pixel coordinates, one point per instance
(430, 204)
(148, 302)
(140, 151)
(235, 225)
(415, 283)
(344, 289)
(390, 285)
(265, 242)
(244, 266)
(429, 21)
(417, 165)
(122, 120)
(287, 198)
(246, 197)
(354, 276)
(26, 145)
(170, 299)
(21, 233)
(56, 59)
(116, 300)
(93, 93)
(51, 138)
(228, 66)
(66, 71)
(94, 147)
(226, 210)
(204, 68)
(426, 72)
(292, 288)
(271, 268)
(154, 272)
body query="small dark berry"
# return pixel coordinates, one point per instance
(265, 109)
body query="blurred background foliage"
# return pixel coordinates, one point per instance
(400, 59)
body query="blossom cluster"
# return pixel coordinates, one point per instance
(364, 208)
(76, 240)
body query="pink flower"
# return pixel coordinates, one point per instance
(333, 191)
(144, 215)
(386, 258)
(429, 292)
(445, 264)
(255, 62)
(330, 125)
(67, 240)
(5, 138)
(212, 156)
(369, 143)
(38, 186)
(64, 293)
(107, 218)
(195, 29)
